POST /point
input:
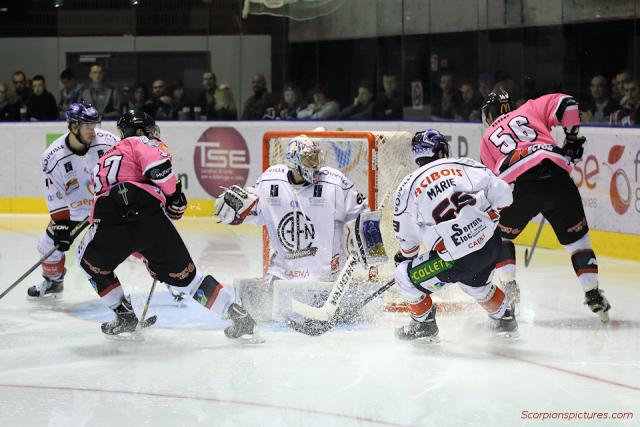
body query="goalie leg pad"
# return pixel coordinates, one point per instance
(233, 206)
(363, 239)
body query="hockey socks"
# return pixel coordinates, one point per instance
(585, 265)
(506, 265)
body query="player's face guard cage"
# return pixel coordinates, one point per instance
(306, 157)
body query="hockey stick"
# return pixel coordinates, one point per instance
(76, 231)
(316, 328)
(528, 255)
(342, 283)
(152, 319)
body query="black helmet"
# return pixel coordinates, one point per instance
(495, 104)
(133, 120)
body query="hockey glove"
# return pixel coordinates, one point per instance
(176, 203)
(573, 146)
(62, 235)
(233, 206)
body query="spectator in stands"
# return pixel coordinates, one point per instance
(41, 105)
(471, 103)
(70, 92)
(292, 103)
(139, 100)
(618, 93)
(206, 102)
(161, 101)
(628, 114)
(9, 110)
(484, 84)
(322, 108)
(104, 98)
(388, 105)
(180, 106)
(598, 109)
(446, 104)
(362, 107)
(21, 88)
(256, 106)
(225, 105)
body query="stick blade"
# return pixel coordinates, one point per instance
(323, 313)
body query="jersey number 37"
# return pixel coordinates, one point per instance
(100, 178)
(502, 139)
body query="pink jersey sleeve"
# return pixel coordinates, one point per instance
(559, 109)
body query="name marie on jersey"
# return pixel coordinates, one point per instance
(438, 187)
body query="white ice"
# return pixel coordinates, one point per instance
(56, 369)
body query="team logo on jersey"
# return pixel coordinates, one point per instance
(317, 191)
(273, 192)
(71, 186)
(297, 234)
(68, 167)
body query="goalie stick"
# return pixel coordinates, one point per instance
(342, 283)
(76, 231)
(316, 328)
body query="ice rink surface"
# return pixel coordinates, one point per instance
(57, 369)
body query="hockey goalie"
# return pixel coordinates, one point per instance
(312, 213)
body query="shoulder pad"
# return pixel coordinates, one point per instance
(275, 172)
(334, 176)
(403, 193)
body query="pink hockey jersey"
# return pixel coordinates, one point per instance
(521, 139)
(141, 161)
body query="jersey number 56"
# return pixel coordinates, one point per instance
(518, 125)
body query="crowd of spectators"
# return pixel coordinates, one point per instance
(612, 101)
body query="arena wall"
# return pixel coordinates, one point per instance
(211, 155)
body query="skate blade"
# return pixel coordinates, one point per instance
(46, 298)
(508, 335)
(252, 339)
(426, 341)
(135, 336)
(604, 316)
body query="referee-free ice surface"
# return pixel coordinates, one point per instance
(56, 369)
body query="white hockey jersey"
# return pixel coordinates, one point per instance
(305, 223)
(445, 206)
(68, 176)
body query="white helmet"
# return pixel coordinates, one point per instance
(305, 157)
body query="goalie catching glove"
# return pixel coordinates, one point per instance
(363, 239)
(233, 206)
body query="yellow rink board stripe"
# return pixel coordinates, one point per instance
(606, 243)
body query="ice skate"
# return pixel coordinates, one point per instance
(47, 288)
(512, 290)
(243, 325)
(426, 331)
(123, 327)
(598, 303)
(506, 326)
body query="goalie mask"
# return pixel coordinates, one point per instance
(429, 145)
(305, 157)
(495, 105)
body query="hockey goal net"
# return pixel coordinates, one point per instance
(376, 162)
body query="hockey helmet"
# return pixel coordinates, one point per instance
(82, 113)
(496, 104)
(133, 120)
(305, 157)
(429, 145)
